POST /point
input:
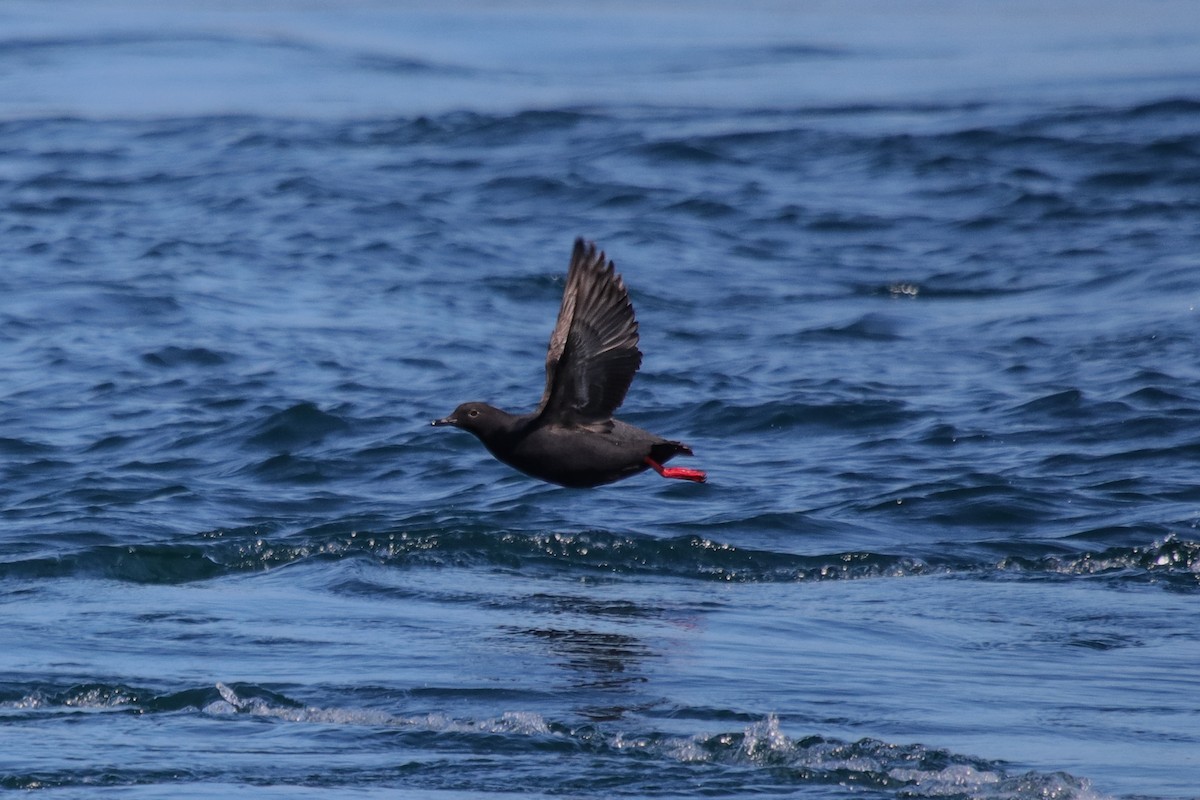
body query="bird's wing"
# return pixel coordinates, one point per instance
(593, 353)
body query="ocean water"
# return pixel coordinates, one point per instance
(917, 282)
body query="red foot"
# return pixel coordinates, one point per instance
(677, 472)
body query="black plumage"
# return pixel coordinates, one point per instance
(571, 438)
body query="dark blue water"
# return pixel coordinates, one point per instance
(918, 285)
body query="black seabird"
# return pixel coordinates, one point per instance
(571, 438)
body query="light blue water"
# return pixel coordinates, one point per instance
(918, 284)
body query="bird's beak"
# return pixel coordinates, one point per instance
(444, 421)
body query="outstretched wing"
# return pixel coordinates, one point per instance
(593, 353)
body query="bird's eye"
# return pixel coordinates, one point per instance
(474, 412)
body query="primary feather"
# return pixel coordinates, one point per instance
(593, 353)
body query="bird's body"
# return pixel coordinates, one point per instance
(573, 456)
(572, 438)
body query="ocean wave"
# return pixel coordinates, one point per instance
(1172, 562)
(760, 752)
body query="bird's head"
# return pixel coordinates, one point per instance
(478, 418)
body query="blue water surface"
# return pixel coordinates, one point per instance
(917, 282)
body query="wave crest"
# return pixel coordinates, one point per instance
(1174, 562)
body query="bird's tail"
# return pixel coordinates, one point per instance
(664, 451)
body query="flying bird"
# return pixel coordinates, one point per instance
(571, 438)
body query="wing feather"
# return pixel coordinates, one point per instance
(593, 353)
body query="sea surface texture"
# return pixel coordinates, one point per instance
(918, 282)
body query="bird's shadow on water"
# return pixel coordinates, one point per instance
(603, 667)
(566, 550)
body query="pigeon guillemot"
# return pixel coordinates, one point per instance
(571, 438)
